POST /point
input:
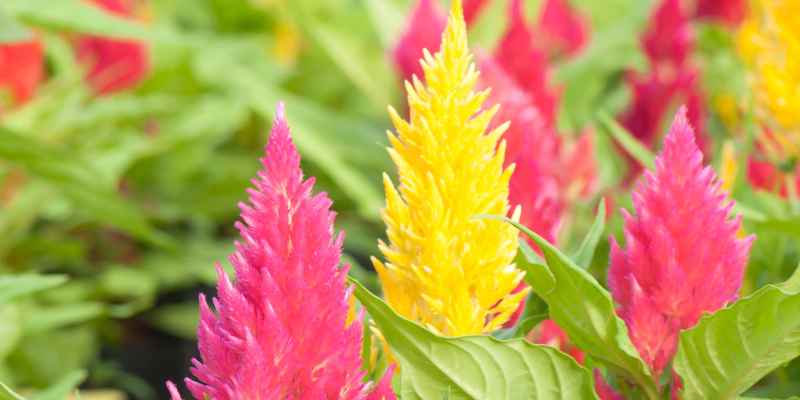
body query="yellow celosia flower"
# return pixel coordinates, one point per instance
(728, 168)
(769, 42)
(446, 268)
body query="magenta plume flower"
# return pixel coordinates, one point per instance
(683, 257)
(280, 330)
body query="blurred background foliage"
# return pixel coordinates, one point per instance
(114, 208)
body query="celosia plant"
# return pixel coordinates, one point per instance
(672, 78)
(768, 42)
(682, 257)
(444, 267)
(21, 71)
(113, 64)
(281, 329)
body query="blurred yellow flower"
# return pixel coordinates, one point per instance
(729, 167)
(769, 43)
(445, 268)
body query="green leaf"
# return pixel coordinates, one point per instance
(585, 310)
(732, 349)
(7, 394)
(583, 257)
(474, 367)
(12, 286)
(61, 389)
(592, 78)
(80, 16)
(627, 141)
(78, 181)
(53, 317)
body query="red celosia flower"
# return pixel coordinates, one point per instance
(521, 58)
(670, 38)
(113, 64)
(472, 8)
(549, 333)
(280, 330)
(671, 80)
(731, 12)
(563, 29)
(21, 69)
(765, 176)
(683, 257)
(424, 31)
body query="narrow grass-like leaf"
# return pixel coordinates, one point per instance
(77, 181)
(474, 367)
(732, 349)
(627, 141)
(61, 389)
(13, 286)
(583, 257)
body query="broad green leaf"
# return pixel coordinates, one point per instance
(61, 389)
(474, 367)
(627, 141)
(585, 310)
(76, 180)
(583, 257)
(12, 286)
(732, 349)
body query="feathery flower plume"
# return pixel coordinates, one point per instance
(672, 79)
(113, 64)
(280, 330)
(683, 257)
(446, 268)
(21, 71)
(769, 43)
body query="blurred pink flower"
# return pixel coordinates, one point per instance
(563, 29)
(671, 80)
(683, 257)
(549, 333)
(730, 12)
(280, 330)
(113, 64)
(423, 31)
(472, 9)
(526, 63)
(21, 69)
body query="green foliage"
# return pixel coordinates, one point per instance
(585, 311)
(732, 349)
(474, 367)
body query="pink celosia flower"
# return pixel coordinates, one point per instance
(279, 331)
(731, 12)
(113, 64)
(21, 69)
(424, 31)
(563, 30)
(683, 257)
